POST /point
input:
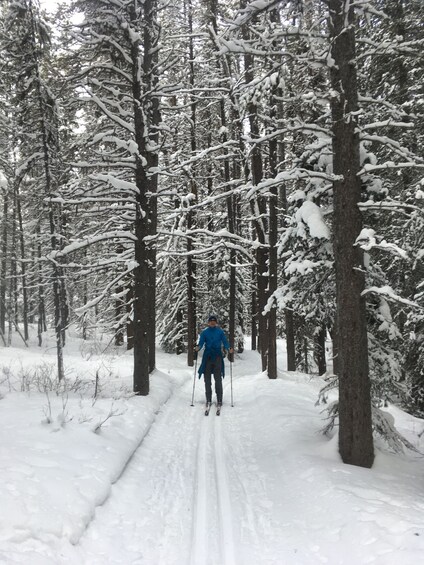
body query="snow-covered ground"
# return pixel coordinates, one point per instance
(152, 481)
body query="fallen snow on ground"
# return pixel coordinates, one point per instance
(126, 480)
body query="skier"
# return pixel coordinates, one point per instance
(213, 338)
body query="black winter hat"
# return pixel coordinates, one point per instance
(212, 319)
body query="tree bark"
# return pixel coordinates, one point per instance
(288, 313)
(319, 351)
(13, 286)
(4, 250)
(130, 322)
(259, 211)
(191, 264)
(355, 434)
(42, 322)
(335, 357)
(146, 122)
(305, 355)
(179, 344)
(231, 229)
(25, 308)
(272, 240)
(254, 313)
(119, 307)
(290, 340)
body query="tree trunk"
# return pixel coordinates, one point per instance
(146, 121)
(119, 307)
(273, 281)
(85, 316)
(130, 314)
(141, 297)
(153, 163)
(4, 250)
(191, 300)
(288, 313)
(191, 264)
(335, 357)
(305, 355)
(231, 229)
(273, 239)
(254, 313)
(290, 340)
(355, 434)
(258, 209)
(25, 308)
(12, 304)
(319, 351)
(42, 322)
(179, 344)
(63, 299)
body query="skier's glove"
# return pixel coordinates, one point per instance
(195, 352)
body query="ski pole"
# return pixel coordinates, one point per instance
(231, 379)
(194, 381)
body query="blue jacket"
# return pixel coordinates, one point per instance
(212, 339)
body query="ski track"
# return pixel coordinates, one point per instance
(186, 497)
(212, 541)
(148, 513)
(250, 495)
(199, 536)
(224, 500)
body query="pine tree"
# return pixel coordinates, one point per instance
(355, 435)
(119, 48)
(37, 152)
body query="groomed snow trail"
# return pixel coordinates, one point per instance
(258, 485)
(212, 540)
(177, 503)
(224, 499)
(147, 519)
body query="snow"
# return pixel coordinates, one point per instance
(76, 245)
(387, 292)
(120, 184)
(311, 215)
(3, 180)
(367, 240)
(160, 484)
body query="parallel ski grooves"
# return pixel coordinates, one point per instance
(224, 500)
(199, 534)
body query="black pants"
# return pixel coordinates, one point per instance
(213, 366)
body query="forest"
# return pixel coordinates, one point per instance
(257, 161)
(162, 160)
